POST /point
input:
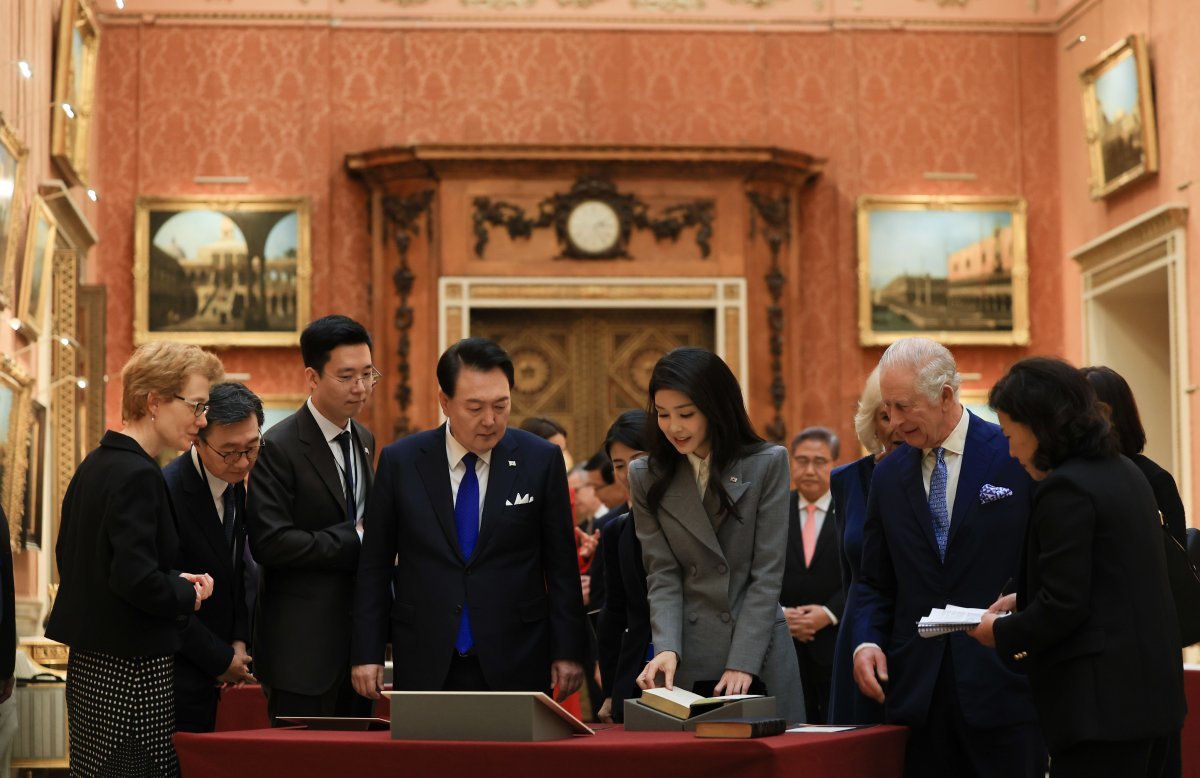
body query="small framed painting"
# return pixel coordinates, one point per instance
(1118, 113)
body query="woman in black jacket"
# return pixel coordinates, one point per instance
(120, 604)
(1094, 622)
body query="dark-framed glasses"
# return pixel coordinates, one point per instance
(368, 379)
(232, 457)
(198, 408)
(803, 463)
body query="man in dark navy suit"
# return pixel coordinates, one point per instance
(208, 490)
(468, 562)
(931, 540)
(812, 596)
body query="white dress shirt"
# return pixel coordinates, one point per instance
(215, 485)
(455, 452)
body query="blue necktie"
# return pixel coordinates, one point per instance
(466, 521)
(348, 459)
(230, 508)
(937, 502)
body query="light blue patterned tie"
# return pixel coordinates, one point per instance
(937, 502)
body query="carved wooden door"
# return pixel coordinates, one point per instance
(583, 368)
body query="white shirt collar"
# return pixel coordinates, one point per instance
(822, 502)
(328, 428)
(956, 441)
(215, 485)
(455, 451)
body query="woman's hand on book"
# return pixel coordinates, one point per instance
(733, 682)
(664, 662)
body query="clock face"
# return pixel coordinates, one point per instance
(593, 227)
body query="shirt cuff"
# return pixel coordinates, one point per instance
(832, 619)
(861, 646)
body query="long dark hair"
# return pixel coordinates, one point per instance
(1059, 406)
(711, 386)
(1112, 390)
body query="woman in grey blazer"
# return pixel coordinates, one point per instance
(710, 509)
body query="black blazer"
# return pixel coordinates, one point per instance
(1166, 495)
(307, 550)
(623, 628)
(207, 650)
(521, 583)
(819, 583)
(1096, 624)
(8, 608)
(119, 591)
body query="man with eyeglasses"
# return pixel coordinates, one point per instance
(207, 484)
(307, 500)
(812, 596)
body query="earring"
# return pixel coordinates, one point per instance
(153, 417)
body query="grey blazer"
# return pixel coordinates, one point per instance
(714, 580)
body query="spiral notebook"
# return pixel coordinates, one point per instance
(952, 618)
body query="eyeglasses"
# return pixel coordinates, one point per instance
(368, 379)
(232, 457)
(803, 462)
(198, 408)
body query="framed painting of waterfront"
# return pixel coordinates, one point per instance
(222, 271)
(1118, 114)
(13, 155)
(16, 400)
(950, 268)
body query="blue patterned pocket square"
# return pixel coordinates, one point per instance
(989, 493)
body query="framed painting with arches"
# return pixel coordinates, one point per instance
(233, 271)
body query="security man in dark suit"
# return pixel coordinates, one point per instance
(812, 595)
(207, 488)
(304, 517)
(468, 562)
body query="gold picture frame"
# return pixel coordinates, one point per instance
(953, 269)
(16, 398)
(74, 90)
(200, 275)
(13, 161)
(1118, 114)
(37, 271)
(277, 407)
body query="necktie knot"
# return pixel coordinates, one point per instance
(469, 459)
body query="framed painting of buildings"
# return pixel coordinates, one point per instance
(950, 268)
(37, 271)
(1118, 114)
(222, 272)
(35, 478)
(12, 168)
(16, 398)
(74, 89)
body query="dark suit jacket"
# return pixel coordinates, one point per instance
(902, 578)
(819, 583)
(119, 591)
(521, 583)
(1095, 623)
(1166, 495)
(623, 628)
(307, 550)
(8, 609)
(207, 650)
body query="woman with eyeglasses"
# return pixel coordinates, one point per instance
(120, 604)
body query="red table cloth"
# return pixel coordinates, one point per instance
(874, 752)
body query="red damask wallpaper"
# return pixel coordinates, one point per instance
(283, 105)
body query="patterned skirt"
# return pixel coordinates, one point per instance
(121, 713)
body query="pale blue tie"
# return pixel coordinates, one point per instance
(937, 502)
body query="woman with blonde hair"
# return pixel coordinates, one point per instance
(120, 602)
(849, 485)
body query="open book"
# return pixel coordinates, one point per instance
(683, 704)
(952, 618)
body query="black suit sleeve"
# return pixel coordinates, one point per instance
(275, 539)
(203, 647)
(130, 527)
(1065, 522)
(568, 620)
(373, 592)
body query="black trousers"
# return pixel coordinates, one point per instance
(1116, 758)
(339, 700)
(946, 747)
(816, 678)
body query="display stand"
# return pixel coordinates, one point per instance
(488, 716)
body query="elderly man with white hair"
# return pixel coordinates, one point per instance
(945, 525)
